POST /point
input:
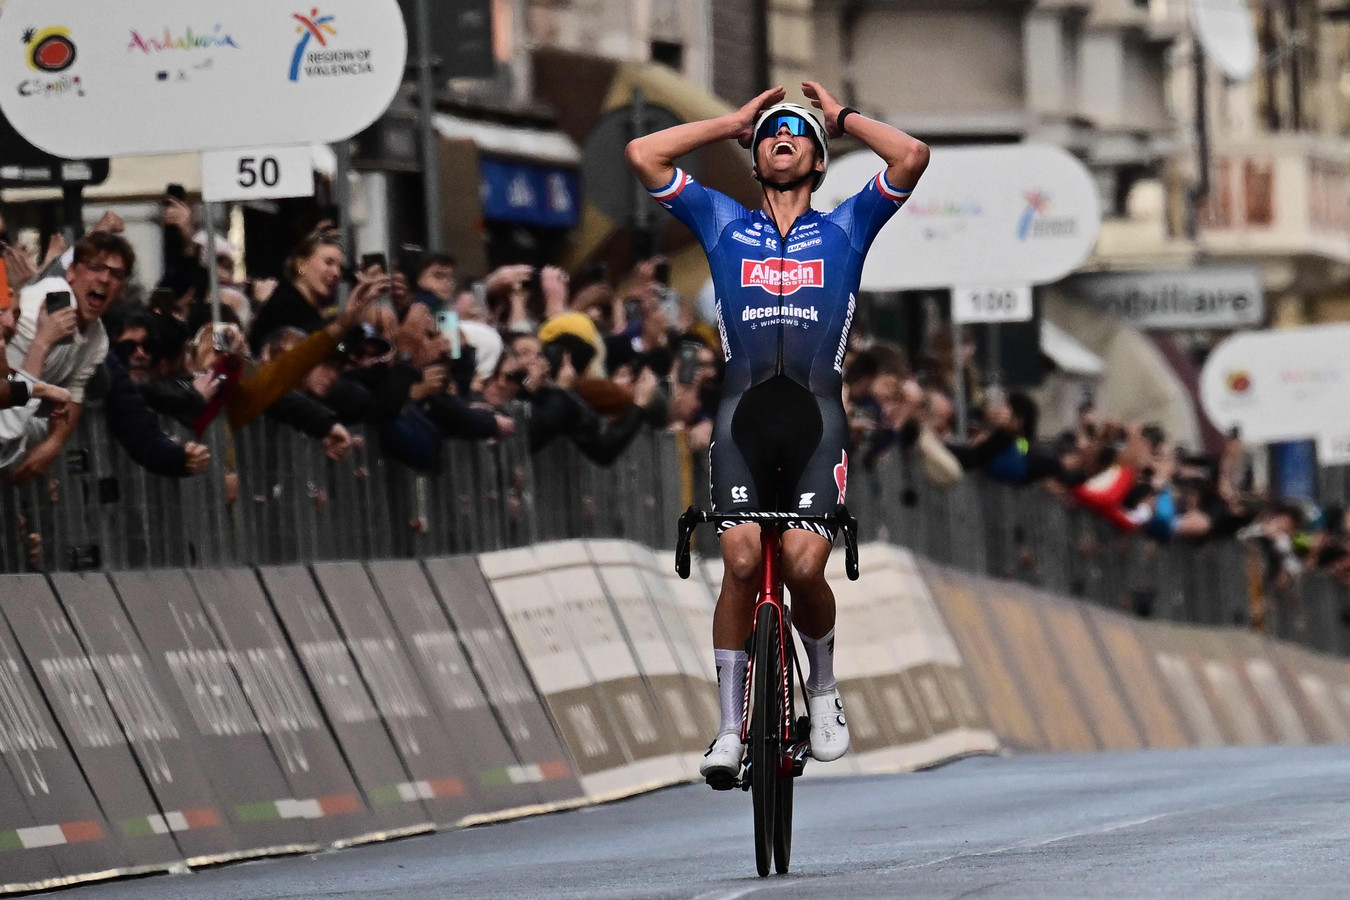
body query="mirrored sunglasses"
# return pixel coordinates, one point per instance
(795, 124)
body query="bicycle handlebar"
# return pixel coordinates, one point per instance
(691, 518)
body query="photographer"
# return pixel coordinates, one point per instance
(557, 411)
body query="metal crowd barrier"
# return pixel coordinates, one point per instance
(98, 510)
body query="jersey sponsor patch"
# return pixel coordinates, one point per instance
(802, 245)
(807, 499)
(745, 239)
(804, 313)
(782, 276)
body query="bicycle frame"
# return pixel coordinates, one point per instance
(771, 594)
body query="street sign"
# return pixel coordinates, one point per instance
(122, 77)
(266, 174)
(991, 304)
(1206, 297)
(1018, 214)
(23, 165)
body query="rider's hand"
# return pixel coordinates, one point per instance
(824, 101)
(746, 115)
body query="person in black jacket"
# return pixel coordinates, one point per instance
(557, 411)
(134, 425)
(312, 276)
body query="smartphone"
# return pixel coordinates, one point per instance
(177, 192)
(447, 321)
(6, 299)
(688, 367)
(375, 260)
(662, 273)
(57, 301)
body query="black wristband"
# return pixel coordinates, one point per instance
(19, 394)
(843, 114)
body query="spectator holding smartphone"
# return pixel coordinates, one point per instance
(60, 342)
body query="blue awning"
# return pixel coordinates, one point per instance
(529, 194)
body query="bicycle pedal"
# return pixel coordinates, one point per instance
(722, 781)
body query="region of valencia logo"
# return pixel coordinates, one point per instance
(312, 27)
(50, 49)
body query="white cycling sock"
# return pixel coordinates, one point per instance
(731, 666)
(820, 651)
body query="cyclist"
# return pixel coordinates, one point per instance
(786, 279)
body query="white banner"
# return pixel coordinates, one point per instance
(1212, 297)
(991, 304)
(1228, 34)
(1280, 385)
(123, 77)
(1018, 214)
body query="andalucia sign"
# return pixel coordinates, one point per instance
(122, 77)
(1005, 215)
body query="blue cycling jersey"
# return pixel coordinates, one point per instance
(785, 303)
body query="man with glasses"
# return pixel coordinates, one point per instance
(786, 279)
(62, 347)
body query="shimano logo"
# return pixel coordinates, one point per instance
(783, 276)
(745, 239)
(802, 245)
(843, 338)
(805, 313)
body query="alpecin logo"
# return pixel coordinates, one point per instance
(782, 277)
(324, 62)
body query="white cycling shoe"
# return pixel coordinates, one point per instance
(721, 766)
(829, 728)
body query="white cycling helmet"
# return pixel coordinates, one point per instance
(799, 120)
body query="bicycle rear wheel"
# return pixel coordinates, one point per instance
(765, 731)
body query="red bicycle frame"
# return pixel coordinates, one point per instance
(771, 593)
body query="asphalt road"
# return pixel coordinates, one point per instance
(1232, 823)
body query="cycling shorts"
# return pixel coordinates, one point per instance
(777, 447)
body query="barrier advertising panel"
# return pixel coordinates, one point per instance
(322, 789)
(211, 704)
(444, 777)
(647, 731)
(467, 600)
(635, 612)
(1144, 690)
(556, 665)
(347, 703)
(28, 738)
(70, 822)
(183, 804)
(439, 659)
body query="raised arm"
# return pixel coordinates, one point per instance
(653, 156)
(905, 157)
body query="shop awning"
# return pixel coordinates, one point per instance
(517, 142)
(1067, 354)
(145, 177)
(528, 175)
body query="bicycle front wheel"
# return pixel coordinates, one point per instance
(765, 733)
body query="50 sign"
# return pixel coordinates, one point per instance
(265, 174)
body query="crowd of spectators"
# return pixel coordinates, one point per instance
(1128, 474)
(418, 356)
(410, 351)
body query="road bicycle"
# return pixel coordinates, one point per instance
(779, 740)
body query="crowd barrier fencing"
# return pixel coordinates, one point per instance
(272, 498)
(160, 720)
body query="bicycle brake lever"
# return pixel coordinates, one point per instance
(688, 519)
(850, 527)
